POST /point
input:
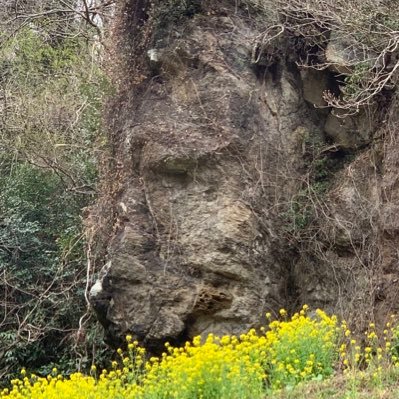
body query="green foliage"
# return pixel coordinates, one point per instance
(41, 256)
(29, 57)
(50, 137)
(299, 214)
(356, 81)
(320, 168)
(52, 96)
(395, 341)
(38, 218)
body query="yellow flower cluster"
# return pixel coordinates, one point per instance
(301, 348)
(290, 350)
(376, 351)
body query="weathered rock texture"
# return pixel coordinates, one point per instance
(232, 199)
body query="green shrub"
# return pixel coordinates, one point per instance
(50, 137)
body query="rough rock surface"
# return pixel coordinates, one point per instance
(213, 155)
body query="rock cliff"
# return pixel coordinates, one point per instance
(233, 190)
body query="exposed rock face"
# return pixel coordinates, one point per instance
(213, 151)
(350, 132)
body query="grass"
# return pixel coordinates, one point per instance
(355, 385)
(303, 356)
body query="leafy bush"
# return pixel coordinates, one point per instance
(52, 91)
(41, 258)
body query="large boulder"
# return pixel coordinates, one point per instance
(229, 193)
(210, 150)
